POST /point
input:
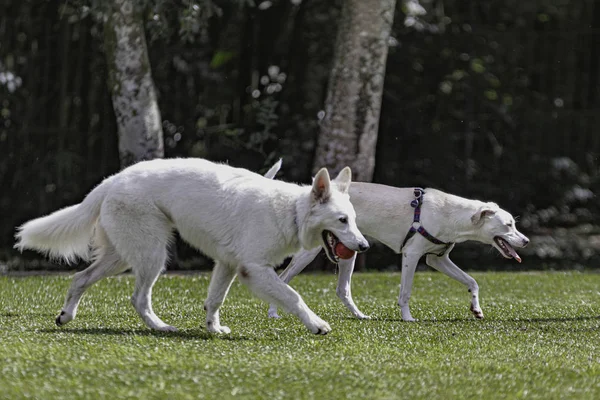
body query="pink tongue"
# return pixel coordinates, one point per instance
(512, 252)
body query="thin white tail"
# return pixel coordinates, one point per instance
(66, 233)
(273, 170)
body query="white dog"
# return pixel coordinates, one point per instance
(418, 222)
(246, 222)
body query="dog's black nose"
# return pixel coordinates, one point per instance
(363, 247)
(525, 242)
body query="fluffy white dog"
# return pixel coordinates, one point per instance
(246, 222)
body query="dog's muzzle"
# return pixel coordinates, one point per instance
(505, 248)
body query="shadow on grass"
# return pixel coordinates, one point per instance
(552, 319)
(427, 321)
(9, 315)
(473, 320)
(188, 334)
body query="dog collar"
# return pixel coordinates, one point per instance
(416, 204)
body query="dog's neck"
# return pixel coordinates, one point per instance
(301, 213)
(289, 218)
(457, 212)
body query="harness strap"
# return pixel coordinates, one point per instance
(416, 204)
(429, 236)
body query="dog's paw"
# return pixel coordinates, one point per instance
(63, 318)
(406, 316)
(273, 313)
(218, 328)
(477, 312)
(360, 315)
(166, 328)
(319, 327)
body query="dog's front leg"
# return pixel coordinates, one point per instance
(409, 265)
(446, 266)
(265, 284)
(344, 291)
(300, 260)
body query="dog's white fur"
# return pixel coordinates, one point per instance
(384, 213)
(246, 222)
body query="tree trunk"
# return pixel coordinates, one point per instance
(309, 66)
(131, 85)
(349, 129)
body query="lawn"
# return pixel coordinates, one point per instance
(540, 339)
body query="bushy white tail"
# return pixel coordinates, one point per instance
(66, 233)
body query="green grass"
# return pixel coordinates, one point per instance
(540, 339)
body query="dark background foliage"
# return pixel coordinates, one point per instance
(496, 99)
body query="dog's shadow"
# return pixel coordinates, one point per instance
(187, 334)
(474, 320)
(424, 321)
(551, 319)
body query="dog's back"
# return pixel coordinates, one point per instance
(218, 209)
(376, 205)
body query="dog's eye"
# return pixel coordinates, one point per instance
(343, 220)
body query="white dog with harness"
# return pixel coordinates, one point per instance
(439, 221)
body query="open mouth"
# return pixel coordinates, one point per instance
(330, 241)
(505, 249)
(335, 249)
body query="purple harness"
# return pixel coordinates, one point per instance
(416, 204)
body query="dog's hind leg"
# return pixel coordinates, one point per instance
(343, 290)
(446, 266)
(296, 265)
(147, 271)
(140, 233)
(220, 282)
(107, 262)
(265, 284)
(409, 265)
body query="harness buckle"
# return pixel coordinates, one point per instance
(418, 193)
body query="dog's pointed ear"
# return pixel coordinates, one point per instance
(483, 213)
(343, 180)
(321, 188)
